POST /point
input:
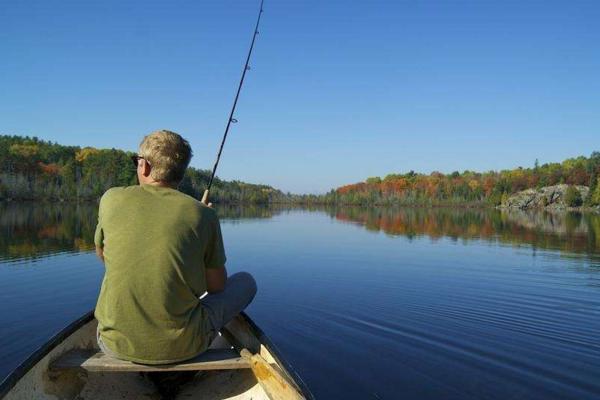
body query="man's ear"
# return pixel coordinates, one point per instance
(145, 167)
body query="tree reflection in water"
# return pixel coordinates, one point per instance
(37, 229)
(566, 231)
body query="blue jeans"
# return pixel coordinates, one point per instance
(221, 307)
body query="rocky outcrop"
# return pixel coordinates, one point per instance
(550, 197)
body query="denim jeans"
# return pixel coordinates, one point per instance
(221, 307)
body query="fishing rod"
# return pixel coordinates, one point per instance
(232, 120)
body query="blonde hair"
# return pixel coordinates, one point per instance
(168, 154)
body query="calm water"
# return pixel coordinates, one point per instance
(366, 304)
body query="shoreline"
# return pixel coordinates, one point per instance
(550, 209)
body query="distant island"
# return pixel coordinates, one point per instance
(34, 169)
(572, 183)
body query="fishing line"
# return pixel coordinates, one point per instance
(232, 120)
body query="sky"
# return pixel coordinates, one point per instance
(338, 91)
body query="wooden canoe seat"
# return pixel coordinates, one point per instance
(91, 360)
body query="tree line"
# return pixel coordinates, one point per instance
(34, 169)
(472, 188)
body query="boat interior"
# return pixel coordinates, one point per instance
(238, 365)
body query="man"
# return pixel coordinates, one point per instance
(162, 250)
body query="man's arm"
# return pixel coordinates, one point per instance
(99, 234)
(214, 259)
(215, 279)
(100, 253)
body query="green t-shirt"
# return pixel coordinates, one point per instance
(157, 243)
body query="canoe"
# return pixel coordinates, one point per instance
(241, 363)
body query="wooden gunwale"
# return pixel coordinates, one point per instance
(276, 354)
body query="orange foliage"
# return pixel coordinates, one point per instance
(50, 169)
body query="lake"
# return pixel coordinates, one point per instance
(375, 303)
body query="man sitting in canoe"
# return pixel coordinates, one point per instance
(162, 250)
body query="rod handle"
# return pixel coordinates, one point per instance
(205, 197)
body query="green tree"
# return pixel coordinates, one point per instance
(595, 196)
(573, 197)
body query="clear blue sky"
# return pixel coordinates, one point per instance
(338, 91)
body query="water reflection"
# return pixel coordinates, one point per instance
(36, 229)
(567, 231)
(237, 212)
(481, 321)
(31, 230)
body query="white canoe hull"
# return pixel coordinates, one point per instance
(35, 380)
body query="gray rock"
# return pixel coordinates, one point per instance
(551, 197)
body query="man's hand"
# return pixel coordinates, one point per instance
(205, 199)
(215, 279)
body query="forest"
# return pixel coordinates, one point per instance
(469, 187)
(34, 169)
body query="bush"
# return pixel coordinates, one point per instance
(595, 196)
(573, 197)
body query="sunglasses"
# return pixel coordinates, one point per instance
(135, 159)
